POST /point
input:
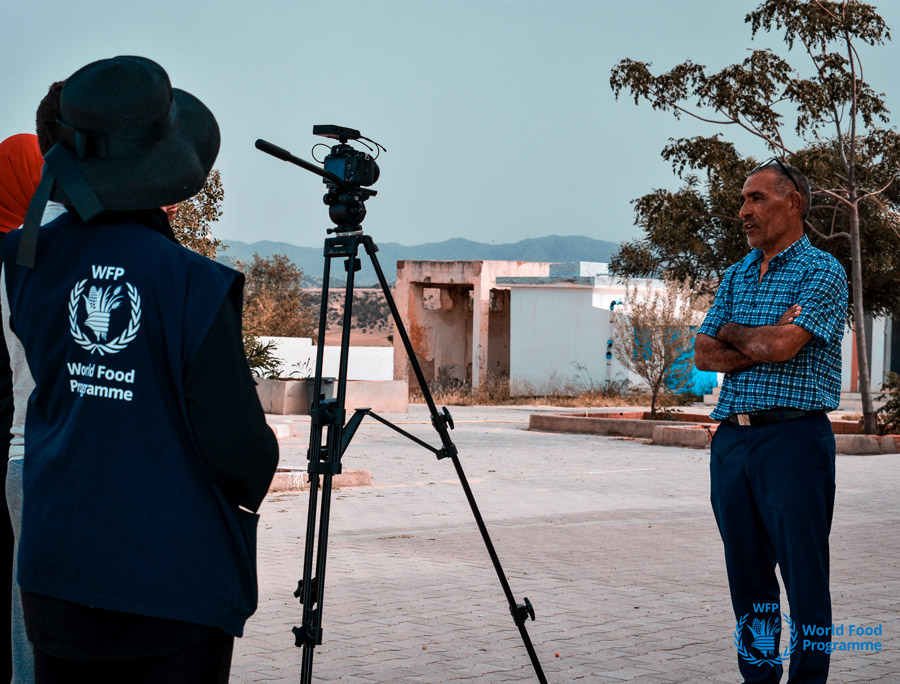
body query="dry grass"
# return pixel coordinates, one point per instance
(496, 392)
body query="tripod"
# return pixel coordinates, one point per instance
(328, 423)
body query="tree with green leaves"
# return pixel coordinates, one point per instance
(847, 151)
(274, 303)
(692, 232)
(192, 224)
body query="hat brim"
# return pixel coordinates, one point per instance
(164, 173)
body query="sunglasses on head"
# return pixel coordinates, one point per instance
(784, 170)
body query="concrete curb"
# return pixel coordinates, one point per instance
(298, 480)
(700, 436)
(695, 436)
(281, 430)
(622, 427)
(664, 433)
(862, 445)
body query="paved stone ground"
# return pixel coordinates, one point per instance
(612, 540)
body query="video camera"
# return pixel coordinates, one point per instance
(346, 162)
(346, 170)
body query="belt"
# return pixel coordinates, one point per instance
(770, 416)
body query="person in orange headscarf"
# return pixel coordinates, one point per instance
(20, 172)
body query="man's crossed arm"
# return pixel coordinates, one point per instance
(738, 347)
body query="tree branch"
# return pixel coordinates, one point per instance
(827, 237)
(829, 206)
(729, 218)
(851, 171)
(822, 77)
(891, 216)
(879, 191)
(701, 118)
(830, 193)
(827, 11)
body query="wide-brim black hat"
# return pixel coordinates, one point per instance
(125, 140)
(138, 142)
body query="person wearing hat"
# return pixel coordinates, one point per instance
(20, 173)
(147, 451)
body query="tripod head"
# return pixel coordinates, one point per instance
(346, 171)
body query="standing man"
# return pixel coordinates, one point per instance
(775, 330)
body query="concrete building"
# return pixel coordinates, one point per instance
(547, 326)
(560, 327)
(457, 316)
(561, 331)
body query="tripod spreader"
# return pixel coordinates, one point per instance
(356, 419)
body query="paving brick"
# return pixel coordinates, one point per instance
(612, 540)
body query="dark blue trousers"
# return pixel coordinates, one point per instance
(773, 498)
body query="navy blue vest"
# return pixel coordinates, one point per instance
(119, 512)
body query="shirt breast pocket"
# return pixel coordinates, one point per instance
(746, 308)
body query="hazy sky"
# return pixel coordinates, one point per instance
(497, 114)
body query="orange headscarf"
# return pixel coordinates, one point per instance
(20, 173)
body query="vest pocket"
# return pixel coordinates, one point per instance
(247, 590)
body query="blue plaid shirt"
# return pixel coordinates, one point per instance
(802, 275)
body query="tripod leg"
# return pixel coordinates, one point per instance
(327, 419)
(308, 634)
(441, 422)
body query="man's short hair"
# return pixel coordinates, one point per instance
(784, 172)
(47, 116)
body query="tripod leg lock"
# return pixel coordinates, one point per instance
(445, 417)
(325, 468)
(442, 421)
(321, 465)
(313, 589)
(447, 452)
(307, 636)
(522, 611)
(327, 413)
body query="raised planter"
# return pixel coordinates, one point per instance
(289, 397)
(293, 397)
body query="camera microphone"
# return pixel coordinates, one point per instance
(284, 155)
(274, 150)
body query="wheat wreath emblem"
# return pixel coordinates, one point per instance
(100, 302)
(775, 659)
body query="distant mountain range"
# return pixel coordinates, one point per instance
(553, 249)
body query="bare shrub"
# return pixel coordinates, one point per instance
(655, 337)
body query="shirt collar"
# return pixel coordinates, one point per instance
(751, 261)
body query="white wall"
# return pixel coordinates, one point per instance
(552, 329)
(880, 359)
(880, 352)
(298, 356)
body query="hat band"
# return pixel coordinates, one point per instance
(59, 169)
(124, 142)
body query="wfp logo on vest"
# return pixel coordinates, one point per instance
(99, 304)
(763, 636)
